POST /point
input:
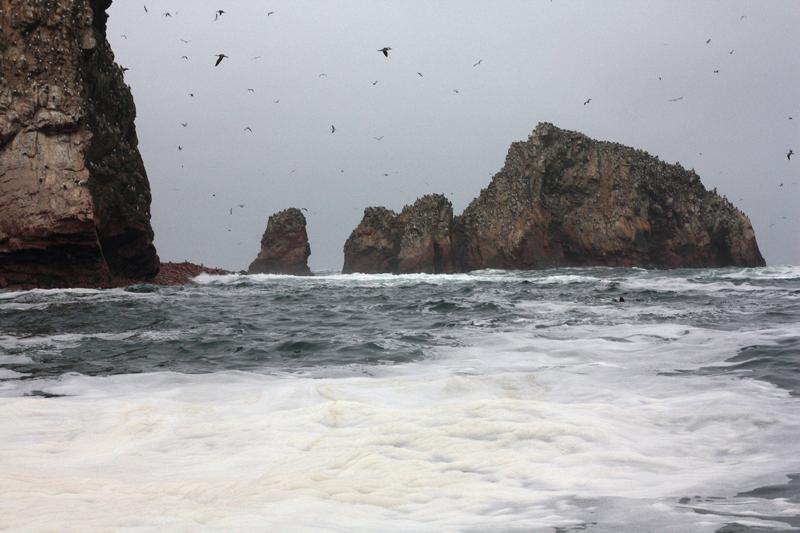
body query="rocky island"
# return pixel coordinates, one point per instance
(284, 246)
(563, 199)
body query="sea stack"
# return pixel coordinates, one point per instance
(74, 195)
(284, 246)
(419, 239)
(563, 199)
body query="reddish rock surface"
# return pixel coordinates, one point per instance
(182, 273)
(74, 195)
(284, 246)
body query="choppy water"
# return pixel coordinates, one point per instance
(491, 401)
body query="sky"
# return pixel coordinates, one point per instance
(312, 64)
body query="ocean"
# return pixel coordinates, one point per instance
(489, 401)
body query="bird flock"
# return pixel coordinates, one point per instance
(385, 52)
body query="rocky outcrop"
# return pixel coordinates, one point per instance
(74, 195)
(563, 199)
(284, 246)
(419, 239)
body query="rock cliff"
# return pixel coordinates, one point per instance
(284, 246)
(419, 239)
(74, 195)
(563, 199)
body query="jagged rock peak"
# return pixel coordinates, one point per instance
(418, 239)
(284, 246)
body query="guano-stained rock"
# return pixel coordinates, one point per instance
(419, 239)
(74, 195)
(563, 199)
(284, 246)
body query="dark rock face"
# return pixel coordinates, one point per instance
(563, 199)
(419, 239)
(284, 246)
(74, 195)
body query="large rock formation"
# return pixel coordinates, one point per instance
(563, 199)
(74, 196)
(419, 239)
(284, 246)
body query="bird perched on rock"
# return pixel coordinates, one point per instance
(220, 57)
(384, 50)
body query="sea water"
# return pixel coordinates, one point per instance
(489, 401)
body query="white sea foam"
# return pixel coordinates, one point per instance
(512, 431)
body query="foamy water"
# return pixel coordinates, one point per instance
(479, 402)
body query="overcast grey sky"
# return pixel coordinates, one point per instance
(541, 61)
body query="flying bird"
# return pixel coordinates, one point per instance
(251, 90)
(789, 154)
(716, 71)
(220, 57)
(730, 53)
(378, 138)
(124, 69)
(254, 58)
(191, 94)
(420, 74)
(708, 41)
(184, 124)
(124, 36)
(455, 91)
(180, 147)
(384, 50)
(185, 57)
(322, 75)
(743, 17)
(167, 14)
(248, 128)
(678, 99)
(145, 9)
(218, 14)
(587, 101)
(333, 128)
(184, 41)
(276, 101)
(375, 82)
(477, 63)
(270, 13)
